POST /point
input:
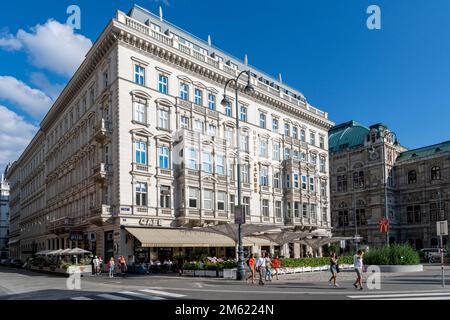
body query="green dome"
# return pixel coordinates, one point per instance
(347, 136)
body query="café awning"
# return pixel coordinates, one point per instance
(154, 237)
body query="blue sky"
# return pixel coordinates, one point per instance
(399, 75)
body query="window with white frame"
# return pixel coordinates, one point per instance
(287, 130)
(211, 101)
(140, 112)
(313, 158)
(193, 197)
(229, 136)
(265, 207)
(303, 156)
(140, 149)
(184, 122)
(232, 202)
(305, 210)
(278, 209)
(246, 205)
(262, 120)
(164, 197)
(288, 180)
(164, 119)
(313, 211)
(276, 151)
(243, 114)
(199, 126)
(296, 181)
(230, 170)
(207, 161)
(208, 199)
(245, 143)
(193, 158)
(163, 153)
(139, 74)
(163, 82)
(311, 184)
(295, 154)
(221, 200)
(323, 189)
(141, 194)
(297, 209)
(287, 153)
(228, 110)
(322, 142)
(289, 209)
(276, 180)
(264, 176)
(212, 130)
(245, 175)
(304, 182)
(275, 125)
(312, 138)
(198, 97)
(322, 165)
(184, 91)
(220, 164)
(295, 132)
(302, 135)
(263, 146)
(324, 214)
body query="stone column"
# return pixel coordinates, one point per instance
(296, 250)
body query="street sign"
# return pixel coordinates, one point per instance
(239, 216)
(384, 225)
(442, 228)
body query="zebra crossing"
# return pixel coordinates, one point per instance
(404, 296)
(143, 294)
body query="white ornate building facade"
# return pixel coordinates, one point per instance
(138, 139)
(4, 216)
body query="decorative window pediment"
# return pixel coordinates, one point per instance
(184, 78)
(161, 103)
(141, 132)
(139, 94)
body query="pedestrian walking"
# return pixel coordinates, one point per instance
(333, 270)
(358, 263)
(268, 275)
(100, 265)
(276, 263)
(251, 265)
(261, 268)
(111, 265)
(123, 266)
(93, 266)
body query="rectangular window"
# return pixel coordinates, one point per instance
(193, 159)
(164, 197)
(297, 209)
(212, 102)
(313, 211)
(105, 79)
(229, 136)
(263, 148)
(265, 207)
(245, 143)
(245, 174)
(163, 157)
(278, 209)
(304, 210)
(304, 182)
(323, 189)
(193, 197)
(220, 165)
(276, 180)
(313, 158)
(212, 130)
(287, 130)
(275, 125)
(164, 119)
(302, 135)
(163, 83)
(288, 181)
(287, 154)
(207, 162)
(232, 203)
(243, 114)
(199, 126)
(324, 215)
(228, 110)
(296, 181)
(312, 138)
(184, 91)
(139, 112)
(264, 176)
(295, 132)
(139, 74)
(140, 152)
(221, 198)
(141, 194)
(322, 142)
(322, 164)
(246, 205)
(198, 97)
(276, 151)
(262, 120)
(184, 122)
(311, 184)
(207, 200)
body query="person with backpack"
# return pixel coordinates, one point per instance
(251, 265)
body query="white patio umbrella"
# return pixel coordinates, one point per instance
(43, 252)
(78, 251)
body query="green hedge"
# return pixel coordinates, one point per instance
(313, 262)
(392, 255)
(229, 264)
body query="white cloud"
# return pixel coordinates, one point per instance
(32, 101)
(10, 43)
(53, 46)
(15, 134)
(40, 81)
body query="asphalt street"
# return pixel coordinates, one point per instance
(16, 284)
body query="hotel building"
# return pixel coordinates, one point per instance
(138, 147)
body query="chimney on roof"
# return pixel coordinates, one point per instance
(160, 14)
(209, 40)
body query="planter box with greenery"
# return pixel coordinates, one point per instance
(395, 258)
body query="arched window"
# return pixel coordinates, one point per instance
(343, 215)
(412, 177)
(436, 173)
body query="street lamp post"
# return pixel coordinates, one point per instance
(248, 89)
